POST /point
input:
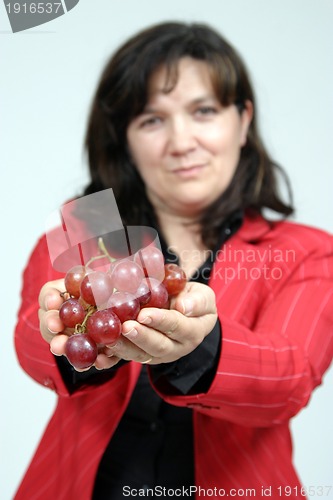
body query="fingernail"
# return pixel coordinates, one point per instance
(131, 334)
(54, 353)
(187, 306)
(51, 331)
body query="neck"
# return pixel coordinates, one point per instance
(183, 237)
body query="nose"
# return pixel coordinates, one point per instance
(181, 137)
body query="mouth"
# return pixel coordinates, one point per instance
(190, 170)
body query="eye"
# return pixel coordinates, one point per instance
(150, 121)
(206, 110)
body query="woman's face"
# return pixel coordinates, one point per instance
(185, 144)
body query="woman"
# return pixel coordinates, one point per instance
(173, 131)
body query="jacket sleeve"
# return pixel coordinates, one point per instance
(267, 371)
(33, 352)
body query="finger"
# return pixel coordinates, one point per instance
(168, 331)
(175, 325)
(164, 320)
(195, 300)
(50, 324)
(58, 344)
(103, 362)
(149, 340)
(49, 296)
(125, 349)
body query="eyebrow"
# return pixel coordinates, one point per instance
(199, 100)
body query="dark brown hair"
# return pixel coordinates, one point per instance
(122, 94)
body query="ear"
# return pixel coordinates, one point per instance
(246, 118)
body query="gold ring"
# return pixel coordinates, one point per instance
(148, 361)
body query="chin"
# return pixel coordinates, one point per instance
(192, 208)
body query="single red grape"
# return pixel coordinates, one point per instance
(152, 261)
(143, 292)
(159, 295)
(73, 280)
(175, 279)
(126, 276)
(96, 288)
(81, 351)
(124, 305)
(104, 327)
(71, 313)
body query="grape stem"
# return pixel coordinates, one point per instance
(81, 327)
(104, 251)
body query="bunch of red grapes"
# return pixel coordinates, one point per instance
(98, 302)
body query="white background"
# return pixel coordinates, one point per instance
(47, 77)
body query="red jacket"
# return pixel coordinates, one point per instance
(274, 291)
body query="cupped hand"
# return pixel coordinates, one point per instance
(52, 328)
(156, 336)
(163, 335)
